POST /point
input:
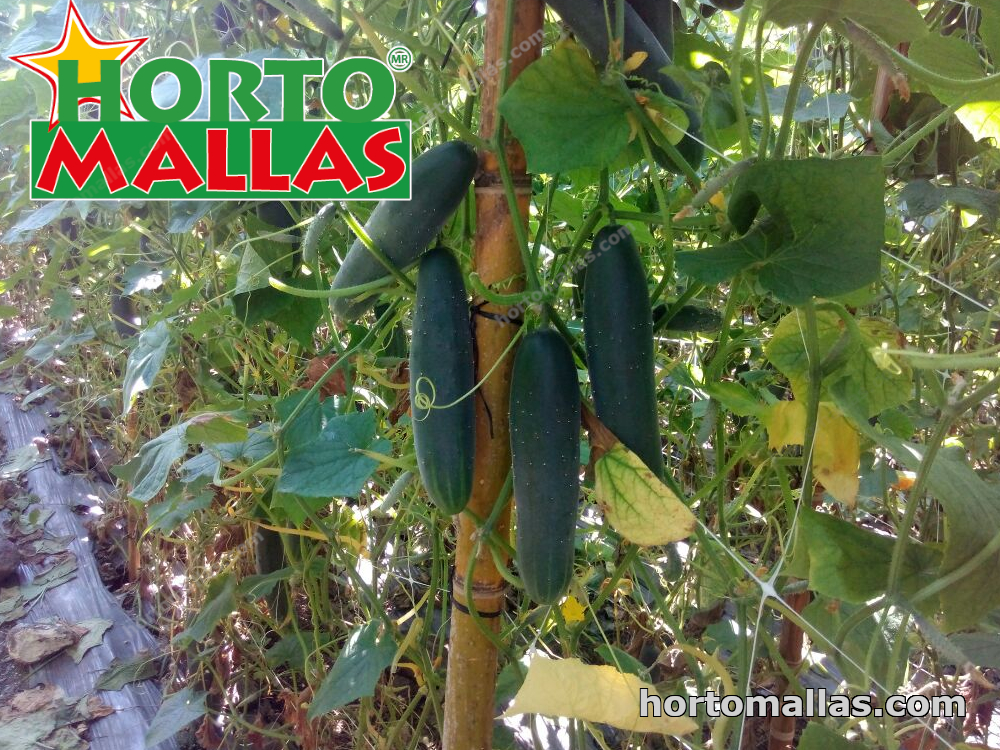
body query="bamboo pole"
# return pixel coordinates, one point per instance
(472, 659)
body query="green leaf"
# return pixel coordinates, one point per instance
(983, 649)
(331, 466)
(564, 115)
(176, 712)
(859, 380)
(31, 220)
(827, 616)
(172, 512)
(220, 602)
(843, 561)
(62, 306)
(145, 361)
(260, 585)
(254, 300)
(949, 56)
(923, 197)
(294, 649)
(636, 503)
(823, 236)
(356, 671)
(736, 398)
(894, 20)
(148, 471)
(214, 428)
(121, 672)
(816, 736)
(621, 660)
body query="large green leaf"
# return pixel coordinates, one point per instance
(893, 20)
(145, 362)
(972, 517)
(822, 236)
(331, 465)
(564, 115)
(356, 671)
(844, 561)
(147, 472)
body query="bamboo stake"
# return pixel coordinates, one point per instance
(472, 659)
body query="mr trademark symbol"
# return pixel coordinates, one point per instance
(399, 59)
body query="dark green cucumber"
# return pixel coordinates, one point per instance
(589, 23)
(441, 372)
(618, 329)
(658, 15)
(403, 229)
(545, 451)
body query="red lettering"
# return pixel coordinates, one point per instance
(99, 154)
(342, 170)
(392, 166)
(261, 177)
(218, 166)
(181, 168)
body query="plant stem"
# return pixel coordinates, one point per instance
(798, 73)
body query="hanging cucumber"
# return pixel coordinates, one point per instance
(403, 229)
(588, 21)
(314, 232)
(618, 329)
(658, 15)
(441, 373)
(545, 449)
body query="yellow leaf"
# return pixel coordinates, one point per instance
(601, 694)
(572, 610)
(837, 450)
(636, 503)
(635, 60)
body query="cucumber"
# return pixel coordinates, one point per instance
(442, 368)
(545, 452)
(403, 230)
(587, 20)
(618, 330)
(658, 15)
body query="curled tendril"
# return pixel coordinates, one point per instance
(423, 401)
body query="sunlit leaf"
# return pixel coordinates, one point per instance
(561, 88)
(595, 693)
(836, 449)
(145, 361)
(356, 671)
(636, 503)
(214, 428)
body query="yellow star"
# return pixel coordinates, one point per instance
(78, 43)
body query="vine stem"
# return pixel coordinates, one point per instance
(736, 79)
(950, 413)
(798, 73)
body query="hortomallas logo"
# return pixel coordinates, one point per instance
(149, 145)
